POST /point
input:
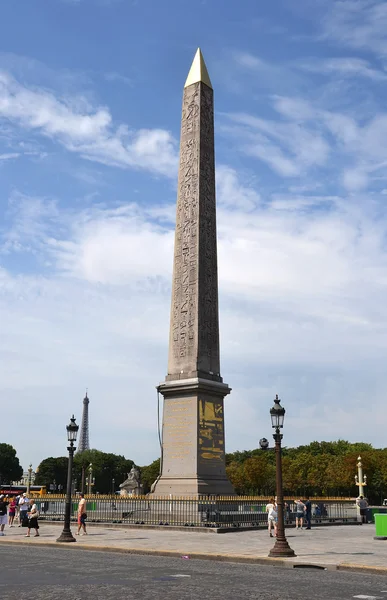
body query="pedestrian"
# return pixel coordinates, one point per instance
(363, 505)
(33, 515)
(300, 512)
(17, 512)
(11, 512)
(272, 517)
(23, 508)
(3, 513)
(308, 512)
(82, 515)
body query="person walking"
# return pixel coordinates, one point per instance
(17, 511)
(308, 512)
(33, 515)
(3, 513)
(363, 505)
(24, 504)
(300, 512)
(82, 515)
(11, 512)
(272, 517)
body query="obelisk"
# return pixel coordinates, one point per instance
(193, 454)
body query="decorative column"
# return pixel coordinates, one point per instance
(361, 481)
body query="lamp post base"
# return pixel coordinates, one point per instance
(66, 536)
(281, 549)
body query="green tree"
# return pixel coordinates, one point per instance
(10, 469)
(106, 467)
(259, 475)
(52, 471)
(235, 473)
(149, 475)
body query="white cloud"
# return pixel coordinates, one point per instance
(302, 299)
(306, 136)
(355, 179)
(9, 155)
(231, 193)
(245, 59)
(358, 24)
(303, 275)
(118, 77)
(288, 147)
(344, 67)
(86, 130)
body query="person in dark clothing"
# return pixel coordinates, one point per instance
(308, 513)
(3, 514)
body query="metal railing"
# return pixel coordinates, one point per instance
(205, 511)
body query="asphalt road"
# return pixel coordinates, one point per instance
(65, 574)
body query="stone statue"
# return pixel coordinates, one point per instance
(132, 485)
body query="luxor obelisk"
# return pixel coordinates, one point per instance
(193, 454)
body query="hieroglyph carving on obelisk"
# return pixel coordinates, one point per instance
(194, 333)
(193, 455)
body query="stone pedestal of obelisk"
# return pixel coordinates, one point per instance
(193, 453)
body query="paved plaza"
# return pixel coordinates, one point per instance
(344, 546)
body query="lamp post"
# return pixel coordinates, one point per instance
(361, 481)
(90, 480)
(113, 486)
(72, 430)
(29, 480)
(281, 547)
(83, 480)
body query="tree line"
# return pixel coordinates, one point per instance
(108, 471)
(316, 469)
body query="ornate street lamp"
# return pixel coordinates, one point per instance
(29, 480)
(72, 430)
(281, 547)
(360, 479)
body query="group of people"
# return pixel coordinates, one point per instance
(303, 511)
(22, 510)
(19, 508)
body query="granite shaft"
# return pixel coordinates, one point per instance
(194, 331)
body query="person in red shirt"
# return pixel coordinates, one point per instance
(11, 512)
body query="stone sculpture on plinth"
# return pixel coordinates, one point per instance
(132, 485)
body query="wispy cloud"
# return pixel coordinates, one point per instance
(118, 77)
(288, 147)
(306, 136)
(86, 130)
(9, 155)
(344, 67)
(302, 281)
(232, 194)
(358, 24)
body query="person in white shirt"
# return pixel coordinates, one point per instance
(272, 517)
(33, 515)
(24, 504)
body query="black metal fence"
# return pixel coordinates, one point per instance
(189, 512)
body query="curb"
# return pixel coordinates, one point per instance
(362, 568)
(288, 563)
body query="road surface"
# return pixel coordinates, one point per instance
(39, 573)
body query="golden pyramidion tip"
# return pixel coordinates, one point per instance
(198, 71)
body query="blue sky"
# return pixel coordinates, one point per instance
(90, 100)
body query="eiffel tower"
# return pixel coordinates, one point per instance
(84, 434)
